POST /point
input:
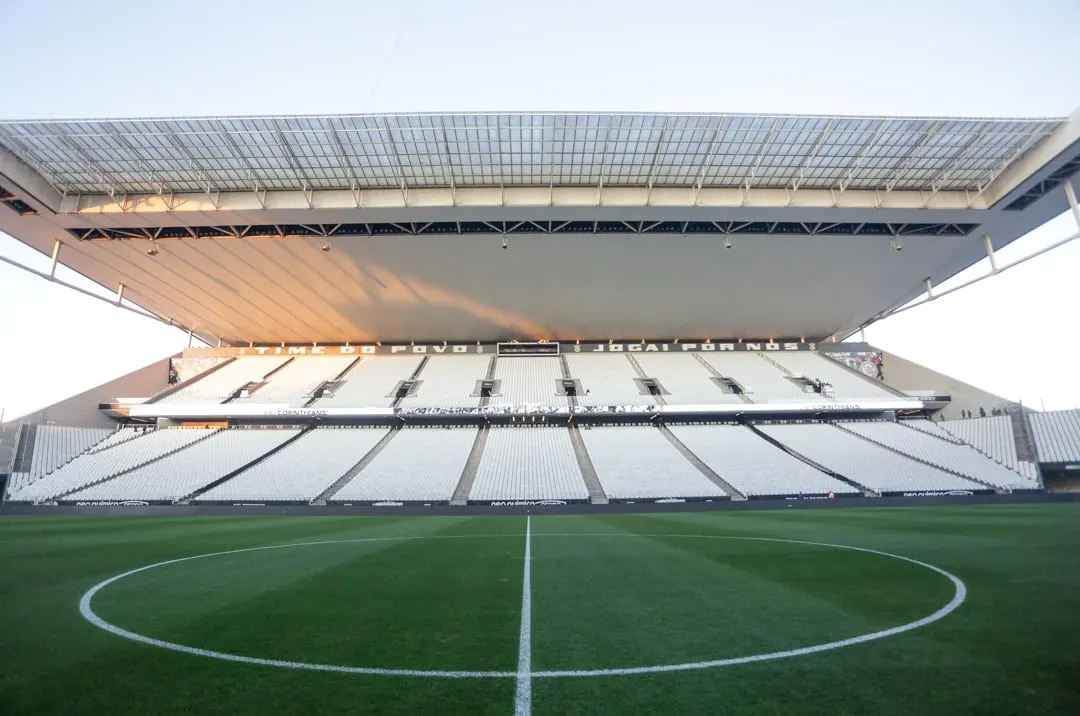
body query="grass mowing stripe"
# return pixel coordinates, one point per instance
(523, 698)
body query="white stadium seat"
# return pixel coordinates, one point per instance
(951, 456)
(449, 382)
(295, 381)
(102, 464)
(687, 381)
(864, 462)
(526, 382)
(638, 462)
(218, 385)
(302, 470)
(528, 463)
(417, 465)
(846, 384)
(606, 379)
(1057, 435)
(754, 466)
(762, 381)
(371, 382)
(178, 475)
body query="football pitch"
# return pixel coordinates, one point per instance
(937, 610)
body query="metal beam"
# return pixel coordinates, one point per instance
(449, 161)
(210, 190)
(399, 168)
(805, 163)
(856, 163)
(130, 150)
(343, 160)
(887, 314)
(946, 174)
(1021, 147)
(294, 164)
(261, 198)
(706, 163)
(655, 156)
(905, 162)
(749, 179)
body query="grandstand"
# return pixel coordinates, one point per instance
(510, 309)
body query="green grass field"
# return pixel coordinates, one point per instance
(436, 593)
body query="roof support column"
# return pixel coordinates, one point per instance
(990, 253)
(119, 294)
(929, 288)
(55, 257)
(1071, 193)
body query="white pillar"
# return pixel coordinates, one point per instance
(990, 253)
(119, 294)
(55, 257)
(1071, 193)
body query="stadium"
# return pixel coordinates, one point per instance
(536, 412)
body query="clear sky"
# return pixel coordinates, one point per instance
(114, 58)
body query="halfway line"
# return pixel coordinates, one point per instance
(523, 699)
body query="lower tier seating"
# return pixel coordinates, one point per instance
(302, 470)
(754, 466)
(178, 475)
(954, 457)
(102, 464)
(417, 465)
(639, 462)
(528, 464)
(866, 463)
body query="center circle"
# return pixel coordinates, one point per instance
(87, 611)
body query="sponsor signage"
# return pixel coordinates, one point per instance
(941, 493)
(554, 348)
(867, 406)
(526, 503)
(249, 410)
(112, 503)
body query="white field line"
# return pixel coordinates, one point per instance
(523, 699)
(525, 651)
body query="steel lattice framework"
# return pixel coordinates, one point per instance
(310, 153)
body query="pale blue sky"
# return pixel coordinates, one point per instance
(69, 58)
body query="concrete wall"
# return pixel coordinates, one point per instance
(82, 409)
(905, 375)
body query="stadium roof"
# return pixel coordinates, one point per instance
(468, 150)
(388, 227)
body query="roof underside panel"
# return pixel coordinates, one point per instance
(466, 150)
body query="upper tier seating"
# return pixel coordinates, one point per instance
(864, 462)
(639, 462)
(991, 436)
(528, 381)
(98, 465)
(180, 474)
(217, 385)
(761, 380)
(371, 382)
(417, 465)
(302, 470)
(686, 380)
(294, 383)
(606, 379)
(951, 456)
(846, 384)
(754, 466)
(1057, 435)
(449, 382)
(528, 464)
